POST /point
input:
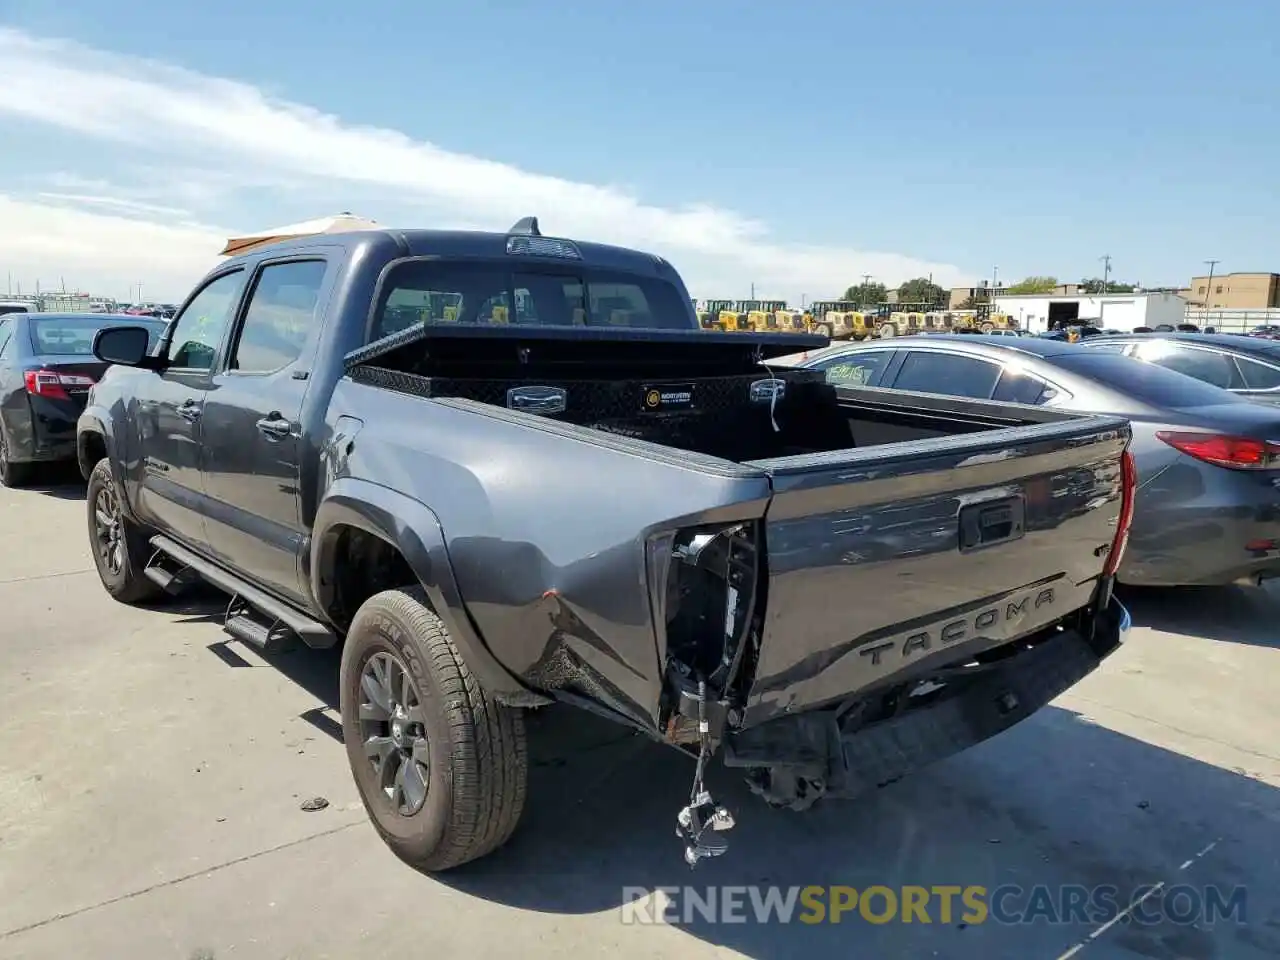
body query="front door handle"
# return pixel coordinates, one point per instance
(274, 427)
(189, 411)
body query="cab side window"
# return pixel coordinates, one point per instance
(199, 329)
(280, 317)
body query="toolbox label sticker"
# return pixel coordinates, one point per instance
(663, 397)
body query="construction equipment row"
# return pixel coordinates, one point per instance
(845, 320)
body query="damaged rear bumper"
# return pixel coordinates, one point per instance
(837, 753)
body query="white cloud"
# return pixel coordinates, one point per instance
(187, 120)
(99, 253)
(118, 204)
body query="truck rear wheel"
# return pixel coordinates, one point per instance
(120, 549)
(441, 766)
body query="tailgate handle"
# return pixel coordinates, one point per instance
(986, 524)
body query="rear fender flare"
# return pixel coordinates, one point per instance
(414, 530)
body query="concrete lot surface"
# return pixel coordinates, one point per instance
(151, 777)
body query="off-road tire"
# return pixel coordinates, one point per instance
(887, 331)
(13, 474)
(478, 766)
(128, 584)
(823, 330)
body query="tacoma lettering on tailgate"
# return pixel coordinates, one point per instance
(999, 615)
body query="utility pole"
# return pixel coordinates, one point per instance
(753, 291)
(1208, 290)
(1106, 271)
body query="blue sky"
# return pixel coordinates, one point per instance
(793, 145)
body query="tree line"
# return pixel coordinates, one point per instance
(924, 290)
(919, 290)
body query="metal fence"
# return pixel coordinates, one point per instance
(1231, 321)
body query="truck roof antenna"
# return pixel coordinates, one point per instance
(527, 226)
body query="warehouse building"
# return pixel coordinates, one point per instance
(1115, 311)
(1235, 291)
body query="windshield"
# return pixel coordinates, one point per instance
(437, 292)
(73, 336)
(1147, 382)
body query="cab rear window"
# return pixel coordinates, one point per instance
(437, 292)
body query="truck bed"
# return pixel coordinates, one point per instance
(859, 541)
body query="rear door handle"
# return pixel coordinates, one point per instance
(189, 410)
(274, 427)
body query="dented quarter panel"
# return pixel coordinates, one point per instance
(878, 528)
(547, 534)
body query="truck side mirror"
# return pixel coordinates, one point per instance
(126, 346)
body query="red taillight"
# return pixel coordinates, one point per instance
(52, 384)
(1236, 453)
(1128, 494)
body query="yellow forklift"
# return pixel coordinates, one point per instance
(721, 315)
(837, 319)
(939, 321)
(902, 319)
(762, 315)
(987, 320)
(792, 321)
(854, 325)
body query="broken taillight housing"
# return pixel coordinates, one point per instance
(1128, 494)
(1234, 453)
(710, 599)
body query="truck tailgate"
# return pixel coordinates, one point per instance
(995, 535)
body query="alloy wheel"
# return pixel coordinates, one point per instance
(108, 529)
(393, 732)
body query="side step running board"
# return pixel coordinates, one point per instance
(312, 632)
(247, 626)
(172, 582)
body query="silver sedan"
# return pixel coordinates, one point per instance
(1208, 507)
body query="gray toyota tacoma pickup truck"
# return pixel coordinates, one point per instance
(509, 470)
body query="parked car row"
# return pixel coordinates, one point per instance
(1208, 458)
